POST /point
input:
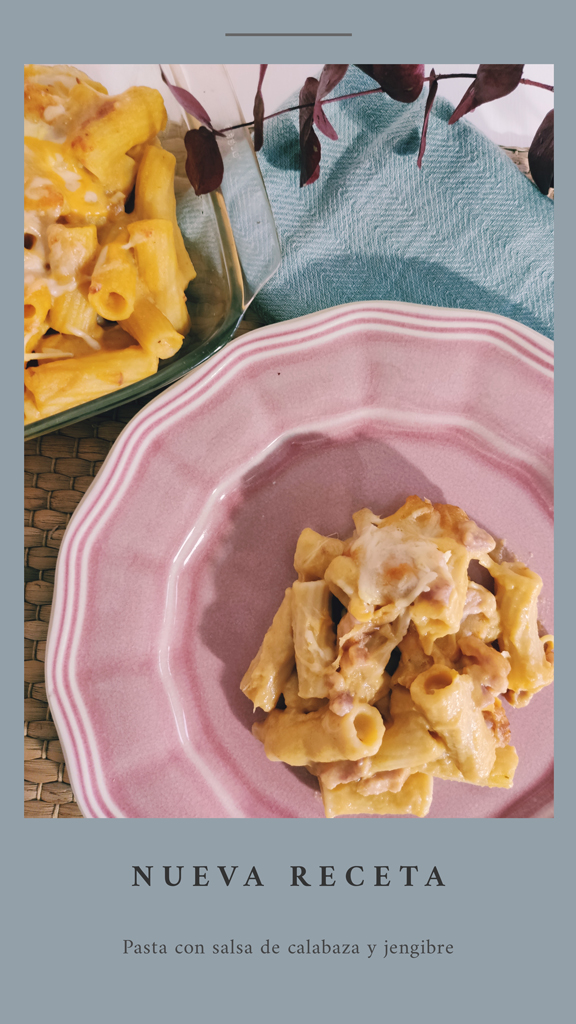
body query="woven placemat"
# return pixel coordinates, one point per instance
(59, 469)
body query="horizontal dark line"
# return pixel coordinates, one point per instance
(288, 33)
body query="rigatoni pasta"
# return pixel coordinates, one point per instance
(301, 738)
(152, 242)
(112, 291)
(155, 200)
(272, 667)
(531, 656)
(101, 141)
(88, 263)
(150, 327)
(52, 384)
(385, 665)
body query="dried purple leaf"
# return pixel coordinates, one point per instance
(310, 149)
(541, 155)
(403, 82)
(432, 90)
(259, 111)
(204, 165)
(190, 104)
(491, 83)
(322, 122)
(329, 78)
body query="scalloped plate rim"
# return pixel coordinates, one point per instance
(537, 350)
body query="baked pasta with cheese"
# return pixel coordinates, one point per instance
(387, 666)
(105, 265)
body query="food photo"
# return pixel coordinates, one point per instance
(288, 414)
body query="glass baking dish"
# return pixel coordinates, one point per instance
(230, 234)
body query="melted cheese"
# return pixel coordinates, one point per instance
(54, 179)
(397, 567)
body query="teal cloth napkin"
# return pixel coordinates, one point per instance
(468, 230)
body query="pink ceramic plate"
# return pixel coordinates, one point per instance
(178, 556)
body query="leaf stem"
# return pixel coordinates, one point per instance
(455, 74)
(368, 92)
(540, 85)
(351, 95)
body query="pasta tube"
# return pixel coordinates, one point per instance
(407, 742)
(341, 576)
(501, 774)
(148, 325)
(83, 100)
(480, 616)
(531, 656)
(300, 739)
(413, 661)
(155, 200)
(65, 383)
(415, 797)
(101, 141)
(438, 612)
(153, 243)
(112, 290)
(31, 412)
(71, 313)
(37, 302)
(269, 671)
(72, 250)
(48, 85)
(505, 764)
(114, 339)
(314, 639)
(293, 700)
(445, 699)
(364, 659)
(314, 554)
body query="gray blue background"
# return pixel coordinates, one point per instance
(69, 901)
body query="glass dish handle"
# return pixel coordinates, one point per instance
(242, 201)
